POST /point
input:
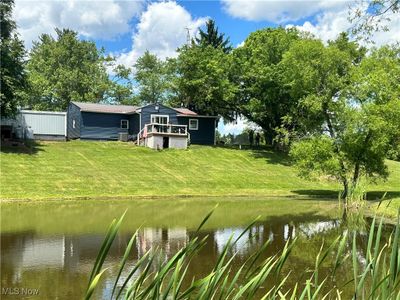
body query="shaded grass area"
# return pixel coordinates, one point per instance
(29, 147)
(388, 207)
(111, 169)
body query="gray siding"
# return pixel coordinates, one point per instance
(205, 135)
(74, 113)
(149, 110)
(44, 123)
(102, 126)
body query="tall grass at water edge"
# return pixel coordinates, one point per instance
(150, 278)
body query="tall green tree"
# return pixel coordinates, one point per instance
(12, 62)
(65, 69)
(121, 86)
(213, 38)
(348, 109)
(201, 81)
(151, 76)
(262, 97)
(315, 75)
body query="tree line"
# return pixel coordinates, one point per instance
(335, 106)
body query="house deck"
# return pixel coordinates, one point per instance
(161, 136)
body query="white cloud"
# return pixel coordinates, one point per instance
(233, 128)
(279, 11)
(101, 19)
(329, 17)
(161, 30)
(240, 44)
(329, 24)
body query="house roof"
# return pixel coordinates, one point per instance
(130, 109)
(106, 108)
(185, 111)
(198, 116)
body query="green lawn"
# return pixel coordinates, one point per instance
(111, 169)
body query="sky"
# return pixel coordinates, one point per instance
(126, 29)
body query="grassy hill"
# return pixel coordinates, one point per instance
(111, 169)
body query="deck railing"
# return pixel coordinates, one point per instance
(168, 129)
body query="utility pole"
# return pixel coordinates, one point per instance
(188, 39)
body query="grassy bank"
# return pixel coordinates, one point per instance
(111, 169)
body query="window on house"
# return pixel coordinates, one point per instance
(124, 124)
(193, 124)
(73, 123)
(160, 119)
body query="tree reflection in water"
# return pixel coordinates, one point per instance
(60, 264)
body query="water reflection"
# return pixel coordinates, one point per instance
(59, 265)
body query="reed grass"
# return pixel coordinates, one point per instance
(378, 278)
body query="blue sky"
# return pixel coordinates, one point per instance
(237, 29)
(127, 28)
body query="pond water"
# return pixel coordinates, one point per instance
(49, 248)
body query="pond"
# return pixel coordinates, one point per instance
(49, 248)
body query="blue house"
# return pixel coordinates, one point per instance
(154, 125)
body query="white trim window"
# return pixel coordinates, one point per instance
(193, 124)
(124, 124)
(160, 119)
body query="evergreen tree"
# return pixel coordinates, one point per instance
(212, 37)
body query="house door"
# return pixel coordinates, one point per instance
(165, 142)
